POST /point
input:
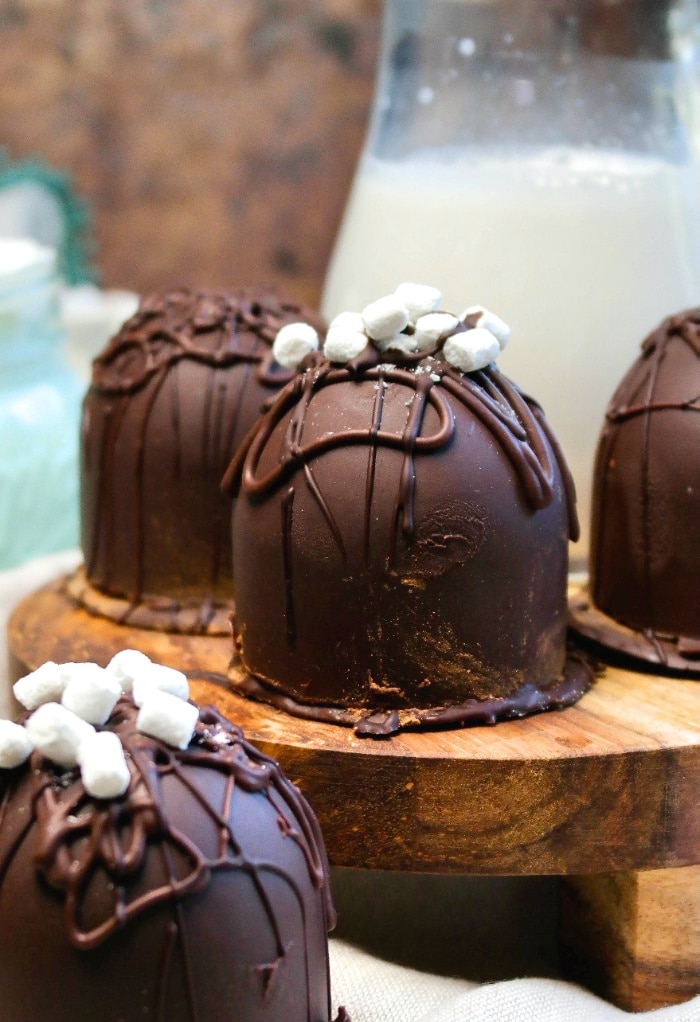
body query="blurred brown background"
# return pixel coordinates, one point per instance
(214, 139)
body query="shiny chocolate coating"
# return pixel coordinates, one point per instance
(645, 541)
(400, 545)
(202, 895)
(171, 398)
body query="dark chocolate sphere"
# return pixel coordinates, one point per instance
(400, 547)
(645, 543)
(201, 894)
(171, 398)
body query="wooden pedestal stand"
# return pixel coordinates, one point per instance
(605, 794)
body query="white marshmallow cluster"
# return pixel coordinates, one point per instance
(68, 702)
(409, 321)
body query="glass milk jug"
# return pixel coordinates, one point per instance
(539, 157)
(39, 410)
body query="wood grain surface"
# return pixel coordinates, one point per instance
(634, 937)
(610, 784)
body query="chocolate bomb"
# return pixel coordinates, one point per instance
(202, 894)
(400, 548)
(645, 540)
(172, 396)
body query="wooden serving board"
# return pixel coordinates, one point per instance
(605, 793)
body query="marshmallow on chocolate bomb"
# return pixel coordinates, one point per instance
(143, 880)
(103, 767)
(57, 733)
(126, 665)
(172, 395)
(44, 685)
(400, 531)
(15, 744)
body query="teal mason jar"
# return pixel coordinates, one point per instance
(39, 410)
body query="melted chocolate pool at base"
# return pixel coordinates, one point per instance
(578, 677)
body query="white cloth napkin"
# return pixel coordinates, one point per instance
(374, 989)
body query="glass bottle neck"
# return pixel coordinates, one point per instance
(538, 74)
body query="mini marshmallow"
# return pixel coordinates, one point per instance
(168, 718)
(471, 350)
(399, 342)
(348, 321)
(57, 733)
(342, 345)
(385, 317)
(293, 343)
(432, 328)
(82, 668)
(103, 766)
(15, 745)
(481, 317)
(159, 678)
(419, 299)
(91, 693)
(44, 685)
(126, 665)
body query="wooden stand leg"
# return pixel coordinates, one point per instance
(634, 937)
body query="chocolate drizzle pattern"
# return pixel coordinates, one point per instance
(636, 394)
(645, 570)
(112, 862)
(515, 422)
(172, 395)
(395, 523)
(78, 835)
(212, 328)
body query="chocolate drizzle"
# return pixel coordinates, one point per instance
(399, 534)
(201, 895)
(172, 395)
(515, 422)
(215, 329)
(645, 565)
(78, 836)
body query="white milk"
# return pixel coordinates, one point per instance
(582, 253)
